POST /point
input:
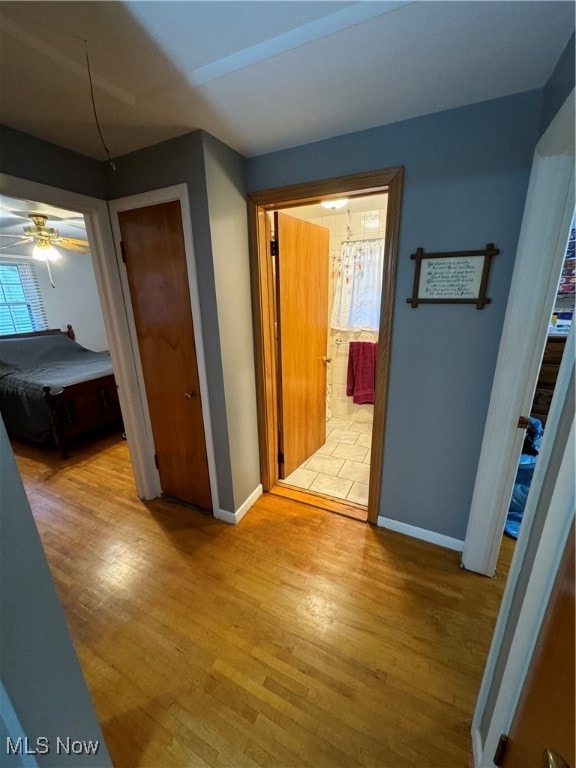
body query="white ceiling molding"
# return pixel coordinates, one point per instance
(288, 41)
(55, 54)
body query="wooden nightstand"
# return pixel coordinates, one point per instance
(547, 379)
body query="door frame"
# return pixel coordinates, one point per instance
(541, 250)
(96, 216)
(259, 203)
(179, 193)
(107, 273)
(548, 518)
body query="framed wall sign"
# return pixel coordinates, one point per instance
(455, 277)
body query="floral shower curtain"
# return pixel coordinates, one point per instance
(359, 286)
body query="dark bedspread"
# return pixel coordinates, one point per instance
(28, 364)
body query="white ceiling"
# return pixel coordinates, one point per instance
(357, 204)
(265, 75)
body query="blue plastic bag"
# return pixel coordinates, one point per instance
(523, 479)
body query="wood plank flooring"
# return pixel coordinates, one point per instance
(297, 638)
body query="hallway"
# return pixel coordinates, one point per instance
(296, 638)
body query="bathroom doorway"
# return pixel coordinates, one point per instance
(340, 281)
(371, 213)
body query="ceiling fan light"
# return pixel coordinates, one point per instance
(45, 253)
(334, 205)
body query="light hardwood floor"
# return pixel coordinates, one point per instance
(297, 638)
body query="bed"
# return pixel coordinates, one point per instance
(52, 388)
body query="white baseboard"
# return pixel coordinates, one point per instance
(476, 748)
(421, 533)
(234, 517)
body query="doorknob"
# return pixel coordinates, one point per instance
(191, 395)
(551, 759)
(326, 359)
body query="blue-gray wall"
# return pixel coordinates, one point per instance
(27, 157)
(42, 688)
(466, 176)
(559, 85)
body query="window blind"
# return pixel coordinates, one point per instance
(21, 306)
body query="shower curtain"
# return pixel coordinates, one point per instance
(359, 286)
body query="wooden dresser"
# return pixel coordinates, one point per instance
(547, 379)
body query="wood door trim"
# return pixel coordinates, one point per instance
(367, 183)
(390, 180)
(312, 499)
(263, 312)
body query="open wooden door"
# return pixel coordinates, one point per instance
(302, 315)
(544, 721)
(154, 252)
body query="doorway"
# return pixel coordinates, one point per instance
(541, 252)
(119, 330)
(340, 276)
(289, 199)
(62, 285)
(542, 247)
(557, 333)
(50, 296)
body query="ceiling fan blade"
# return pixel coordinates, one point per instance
(13, 245)
(72, 247)
(19, 236)
(73, 240)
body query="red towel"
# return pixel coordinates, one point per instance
(361, 377)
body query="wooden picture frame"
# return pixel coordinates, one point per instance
(454, 277)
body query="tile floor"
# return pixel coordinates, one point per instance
(341, 467)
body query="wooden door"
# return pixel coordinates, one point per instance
(153, 249)
(302, 314)
(545, 715)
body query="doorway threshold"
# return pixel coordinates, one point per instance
(328, 504)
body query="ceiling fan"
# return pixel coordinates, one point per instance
(45, 239)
